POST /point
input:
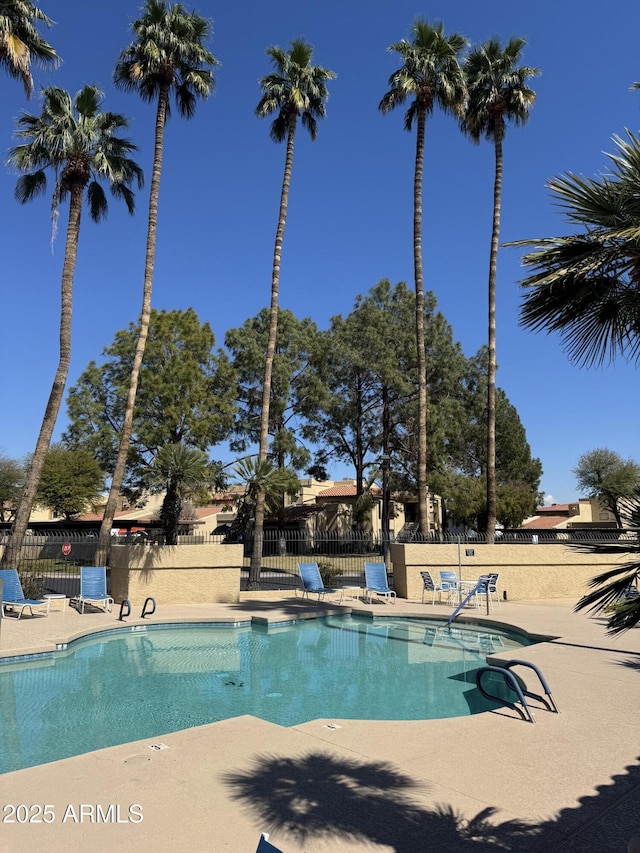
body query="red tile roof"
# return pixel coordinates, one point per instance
(548, 522)
(98, 516)
(345, 490)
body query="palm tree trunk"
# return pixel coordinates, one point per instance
(258, 528)
(117, 478)
(170, 513)
(491, 371)
(21, 522)
(423, 509)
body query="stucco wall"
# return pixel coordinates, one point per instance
(526, 571)
(176, 574)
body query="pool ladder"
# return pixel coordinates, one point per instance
(522, 707)
(125, 608)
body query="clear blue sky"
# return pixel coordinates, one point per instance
(350, 210)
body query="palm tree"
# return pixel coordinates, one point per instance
(20, 41)
(497, 93)
(168, 55)
(586, 285)
(257, 477)
(431, 75)
(295, 88)
(615, 592)
(185, 472)
(78, 143)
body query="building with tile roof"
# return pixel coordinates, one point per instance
(583, 513)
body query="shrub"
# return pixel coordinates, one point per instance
(32, 585)
(329, 573)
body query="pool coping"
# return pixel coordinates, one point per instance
(491, 764)
(61, 644)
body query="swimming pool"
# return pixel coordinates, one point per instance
(145, 681)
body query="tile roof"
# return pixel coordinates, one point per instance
(548, 522)
(98, 516)
(557, 509)
(345, 490)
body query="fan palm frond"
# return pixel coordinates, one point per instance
(586, 286)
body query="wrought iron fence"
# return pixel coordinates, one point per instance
(529, 536)
(50, 562)
(342, 556)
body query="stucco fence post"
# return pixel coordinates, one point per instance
(176, 574)
(527, 572)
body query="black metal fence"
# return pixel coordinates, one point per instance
(50, 562)
(341, 557)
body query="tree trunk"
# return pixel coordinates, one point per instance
(258, 528)
(117, 478)
(170, 513)
(423, 507)
(491, 371)
(386, 458)
(21, 522)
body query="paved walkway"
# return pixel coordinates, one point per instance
(568, 784)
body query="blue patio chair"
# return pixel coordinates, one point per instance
(429, 585)
(376, 582)
(265, 846)
(13, 597)
(312, 581)
(449, 584)
(488, 586)
(93, 589)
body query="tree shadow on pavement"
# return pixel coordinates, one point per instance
(333, 799)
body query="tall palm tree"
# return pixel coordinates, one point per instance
(20, 41)
(431, 75)
(497, 93)
(80, 145)
(168, 55)
(295, 88)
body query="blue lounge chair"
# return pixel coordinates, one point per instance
(13, 597)
(265, 846)
(376, 582)
(312, 581)
(93, 588)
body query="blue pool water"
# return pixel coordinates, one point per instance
(130, 685)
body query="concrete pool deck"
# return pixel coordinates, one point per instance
(568, 784)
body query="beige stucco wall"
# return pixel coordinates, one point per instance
(176, 574)
(526, 571)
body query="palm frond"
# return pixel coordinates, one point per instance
(98, 206)
(29, 186)
(294, 88)
(609, 595)
(169, 49)
(497, 90)
(20, 41)
(73, 139)
(430, 73)
(586, 285)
